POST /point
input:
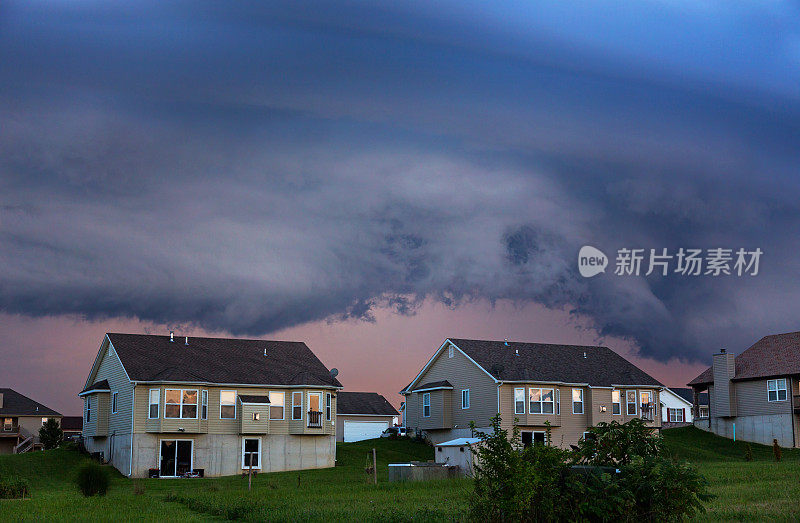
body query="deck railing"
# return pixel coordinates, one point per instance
(648, 411)
(314, 419)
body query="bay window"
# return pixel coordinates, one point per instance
(180, 403)
(541, 401)
(519, 401)
(227, 404)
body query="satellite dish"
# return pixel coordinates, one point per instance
(334, 372)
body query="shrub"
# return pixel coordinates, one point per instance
(624, 476)
(50, 434)
(93, 479)
(14, 488)
(748, 452)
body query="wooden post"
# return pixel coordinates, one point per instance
(374, 467)
(250, 472)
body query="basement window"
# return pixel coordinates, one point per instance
(776, 390)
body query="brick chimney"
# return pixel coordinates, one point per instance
(724, 369)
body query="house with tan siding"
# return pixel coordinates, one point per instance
(531, 385)
(20, 421)
(175, 406)
(754, 396)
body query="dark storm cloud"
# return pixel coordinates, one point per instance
(248, 168)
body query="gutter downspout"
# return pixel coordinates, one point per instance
(133, 410)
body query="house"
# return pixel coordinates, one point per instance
(72, 426)
(169, 406)
(754, 396)
(676, 406)
(569, 387)
(362, 415)
(21, 419)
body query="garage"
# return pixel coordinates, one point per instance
(360, 430)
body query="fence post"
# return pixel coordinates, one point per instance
(250, 472)
(374, 467)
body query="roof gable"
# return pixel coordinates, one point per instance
(219, 360)
(16, 404)
(773, 355)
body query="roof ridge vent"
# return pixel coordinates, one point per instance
(187, 341)
(506, 342)
(172, 336)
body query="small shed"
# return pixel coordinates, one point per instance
(457, 452)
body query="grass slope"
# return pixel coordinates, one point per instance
(759, 490)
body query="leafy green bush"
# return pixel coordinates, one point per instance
(620, 473)
(50, 434)
(14, 488)
(93, 479)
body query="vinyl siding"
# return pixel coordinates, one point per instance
(752, 400)
(462, 374)
(216, 425)
(104, 422)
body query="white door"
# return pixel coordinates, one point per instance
(360, 430)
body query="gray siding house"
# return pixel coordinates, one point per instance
(754, 396)
(173, 406)
(571, 387)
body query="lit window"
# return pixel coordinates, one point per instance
(541, 401)
(180, 403)
(776, 390)
(256, 416)
(227, 404)
(616, 403)
(577, 401)
(276, 403)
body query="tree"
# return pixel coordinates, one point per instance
(51, 434)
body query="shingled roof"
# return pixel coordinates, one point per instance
(220, 360)
(518, 361)
(686, 393)
(773, 355)
(363, 403)
(15, 404)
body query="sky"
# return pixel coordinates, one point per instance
(373, 177)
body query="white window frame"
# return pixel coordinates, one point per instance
(558, 402)
(44, 420)
(778, 390)
(204, 404)
(88, 409)
(541, 401)
(247, 467)
(450, 351)
(181, 404)
(618, 403)
(583, 409)
(114, 405)
(272, 404)
(328, 406)
(235, 404)
(628, 403)
(672, 415)
(295, 393)
(651, 402)
(533, 436)
(426, 402)
(464, 405)
(700, 409)
(157, 404)
(522, 390)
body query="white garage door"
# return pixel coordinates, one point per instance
(358, 430)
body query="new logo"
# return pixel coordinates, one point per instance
(591, 261)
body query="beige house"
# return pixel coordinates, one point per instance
(20, 421)
(362, 415)
(176, 406)
(754, 396)
(570, 387)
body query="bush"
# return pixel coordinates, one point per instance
(776, 450)
(14, 488)
(93, 479)
(748, 452)
(51, 434)
(623, 476)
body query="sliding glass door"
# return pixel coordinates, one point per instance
(176, 457)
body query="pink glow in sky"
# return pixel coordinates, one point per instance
(48, 359)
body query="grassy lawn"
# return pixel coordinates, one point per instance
(757, 490)
(340, 493)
